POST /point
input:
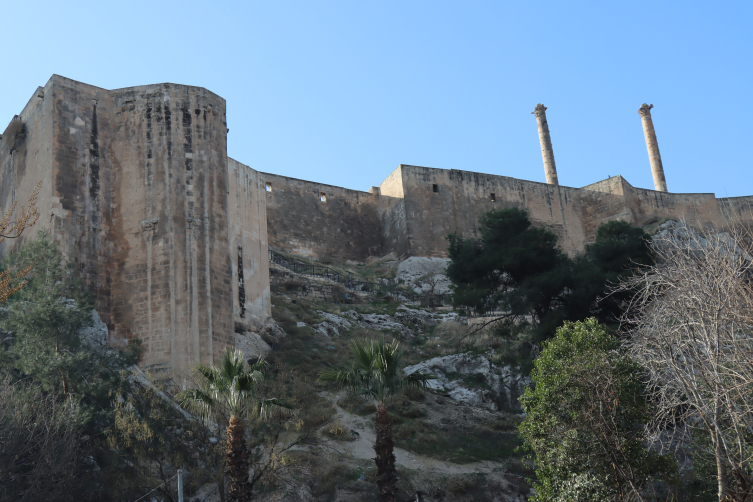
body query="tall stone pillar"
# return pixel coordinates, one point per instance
(550, 169)
(657, 170)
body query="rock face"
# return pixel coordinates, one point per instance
(95, 335)
(248, 336)
(333, 325)
(676, 230)
(473, 379)
(252, 345)
(382, 322)
(406, 322)
(419, 272)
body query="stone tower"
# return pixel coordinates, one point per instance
(654, 157)
(547, 153)
(139, 194)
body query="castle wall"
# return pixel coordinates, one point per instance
(248, 243)
(415, 208)
(649, 206)
(172, 283)
(172, 236)
(461, 197)
(83, 184)
(28, 164)
(136, 194)
(391, 214)
(602, 202)
(736, 209)
(343, 227)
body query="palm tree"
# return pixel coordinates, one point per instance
(230, 393)
(375, 371)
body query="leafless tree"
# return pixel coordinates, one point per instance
(431, 279)
(690, 325)
(40, 453)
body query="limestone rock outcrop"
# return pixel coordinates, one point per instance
(473, 379)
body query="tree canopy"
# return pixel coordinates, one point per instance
(584, 422)
(517, 275)
(44, 321)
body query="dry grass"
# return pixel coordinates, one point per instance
(336, 430)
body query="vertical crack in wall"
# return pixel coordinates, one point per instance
(241, 284)
(94, 191)
(148, 176)
(188, 149)
(192, 305)
(207, 259)
(170, 238)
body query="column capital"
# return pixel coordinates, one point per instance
(539, 110)
(645, 110)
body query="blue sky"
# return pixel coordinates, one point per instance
(342, 92)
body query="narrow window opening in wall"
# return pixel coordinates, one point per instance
(241, 285)
(269, 186)
(322, 197)
(435, 188)
(493, 198)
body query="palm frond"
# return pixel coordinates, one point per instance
(267, 406)
(417, 380)
(246, 382)
(230, 389)
(208, 373)
(375, 371)
(197, 402)
(259, 366)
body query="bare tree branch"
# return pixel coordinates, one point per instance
(690, 325)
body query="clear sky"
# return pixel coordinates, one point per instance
(342, 92)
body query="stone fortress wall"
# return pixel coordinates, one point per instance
(413, 210)
(136, 189)
(171, 235)
(322, 221)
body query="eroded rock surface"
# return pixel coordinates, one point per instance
(252, 345)
(333, 325)
(416, 271)
(95, 335)
(382, 322)
(472, 379)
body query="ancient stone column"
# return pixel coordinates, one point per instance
(546, 145)
(660, 183)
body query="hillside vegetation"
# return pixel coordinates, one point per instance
(546, 371)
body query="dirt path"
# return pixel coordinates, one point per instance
(363, 447)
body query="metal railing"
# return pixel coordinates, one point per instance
(352, 283)
(325, 272)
